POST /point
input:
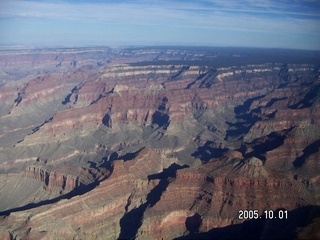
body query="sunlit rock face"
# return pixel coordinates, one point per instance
(155, 143)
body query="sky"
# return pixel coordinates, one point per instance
(240, 23)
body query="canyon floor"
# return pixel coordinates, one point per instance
(159, 143)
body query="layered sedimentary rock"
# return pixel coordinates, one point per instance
(213, 193)
(97, 213)
(153, 143)
(65, 179)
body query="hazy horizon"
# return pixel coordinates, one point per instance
(257, 24)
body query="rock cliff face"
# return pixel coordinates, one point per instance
(217, 195)
(155, 143)
(65, 179)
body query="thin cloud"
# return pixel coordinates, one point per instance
(102, 10)
(140, 12)
(273, 17)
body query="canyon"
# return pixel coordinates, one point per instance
(159, 143)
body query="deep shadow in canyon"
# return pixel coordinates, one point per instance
(263, 228)
(82, 189)
(310, 149)
(132, 220)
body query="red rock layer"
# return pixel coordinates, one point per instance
(131, 101)
(97, 213)
(218, 195)
(65, 179)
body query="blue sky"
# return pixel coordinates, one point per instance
(249, 23)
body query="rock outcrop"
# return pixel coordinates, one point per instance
(65, 179)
